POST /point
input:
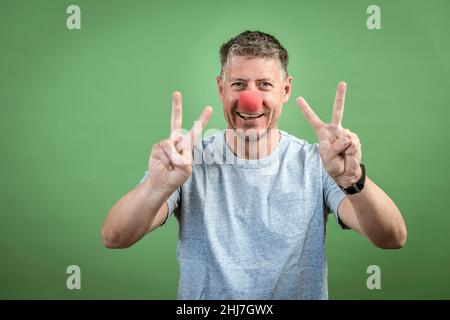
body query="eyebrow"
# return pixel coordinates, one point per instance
(246, 80)
(239, 79)
(266, 79)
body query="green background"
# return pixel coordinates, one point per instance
(80, 110)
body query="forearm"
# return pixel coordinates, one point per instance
(130, 218)
(378, 216)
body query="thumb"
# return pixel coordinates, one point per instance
(341, 144)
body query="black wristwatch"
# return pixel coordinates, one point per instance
(359, 185)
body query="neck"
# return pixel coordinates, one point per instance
(252, 148)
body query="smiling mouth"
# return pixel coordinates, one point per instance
(249, 116)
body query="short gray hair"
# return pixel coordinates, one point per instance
(254, 44)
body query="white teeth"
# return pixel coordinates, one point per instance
(249, 115)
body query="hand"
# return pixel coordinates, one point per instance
(170, 163)
(339, 148)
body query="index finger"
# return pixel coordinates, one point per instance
(339, 101)
(176, 118)
(200, 124)
(310, 115)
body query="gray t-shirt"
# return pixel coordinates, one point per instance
(254, 229)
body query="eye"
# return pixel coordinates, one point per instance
(237, 84)
(266, 84)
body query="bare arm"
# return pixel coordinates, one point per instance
(370, 212)
(373, 214)
(144, 208)
(140, 211)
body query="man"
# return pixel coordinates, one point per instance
(254, 227)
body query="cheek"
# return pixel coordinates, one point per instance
(276, 114)
(273, 103)
(228, 105)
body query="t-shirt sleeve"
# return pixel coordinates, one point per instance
(172, 201)
(333, 195)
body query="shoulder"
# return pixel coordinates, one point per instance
(299, 145)
(303, 156)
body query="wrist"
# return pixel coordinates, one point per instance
(358, 185)
(356, 177)
(157, 190)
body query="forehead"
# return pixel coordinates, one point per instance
(245, 67)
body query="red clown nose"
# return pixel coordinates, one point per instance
(250, 101)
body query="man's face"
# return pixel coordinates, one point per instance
(260, 75)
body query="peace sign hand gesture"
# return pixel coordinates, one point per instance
(170, 163)
(339, 148)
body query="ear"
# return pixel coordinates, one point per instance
(220, 87)
(287, 89)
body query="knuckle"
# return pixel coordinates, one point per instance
(179, 147)
(165, 143)
(155, 147)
